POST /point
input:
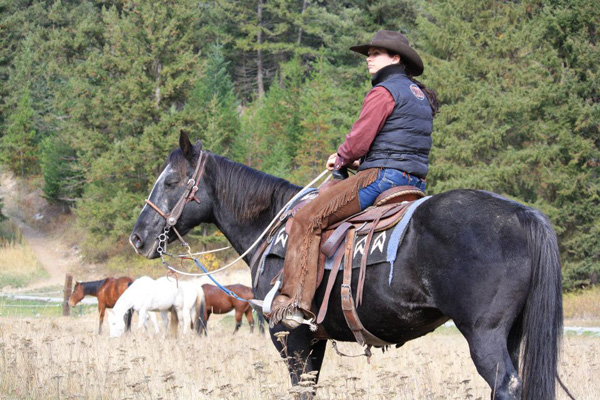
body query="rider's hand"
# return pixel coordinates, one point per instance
(354, 165)
(331, 161)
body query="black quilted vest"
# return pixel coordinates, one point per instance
(404, 141)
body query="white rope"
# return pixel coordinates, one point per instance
(205, 252)
(259, 238)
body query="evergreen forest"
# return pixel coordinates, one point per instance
(93, 94)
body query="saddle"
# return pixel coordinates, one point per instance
(337, 242)
(388, 209)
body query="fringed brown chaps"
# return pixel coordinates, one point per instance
(334, 204)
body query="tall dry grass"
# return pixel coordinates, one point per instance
(63, 358)
(18, 263)
(583, 305)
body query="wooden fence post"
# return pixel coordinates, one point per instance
(67, 292)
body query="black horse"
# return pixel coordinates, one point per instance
(490, 264)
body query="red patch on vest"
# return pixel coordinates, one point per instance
(417, 92)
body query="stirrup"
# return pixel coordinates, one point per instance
(268, 301)
(257, 305)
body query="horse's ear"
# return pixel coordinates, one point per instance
(185, 144)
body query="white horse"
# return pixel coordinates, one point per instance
(163, 295)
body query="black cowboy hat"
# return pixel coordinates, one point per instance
(397, 43)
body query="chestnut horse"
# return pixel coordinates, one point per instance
(106, 290)
(218, 302)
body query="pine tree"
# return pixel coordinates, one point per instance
(212, 105)
(327, 112)
(127, 110)
(18, 147)
(270, 126)
(508, 122)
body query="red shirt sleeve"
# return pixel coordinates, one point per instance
(377, 107)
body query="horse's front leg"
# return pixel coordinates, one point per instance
(154, 321)
(302, 353)
(142, 317)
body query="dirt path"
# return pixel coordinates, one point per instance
(52, 253)
(56, 259)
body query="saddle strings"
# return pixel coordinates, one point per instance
(209, 273)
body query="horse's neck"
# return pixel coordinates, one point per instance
(242, 233)
(125, 302)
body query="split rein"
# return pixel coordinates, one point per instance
(189, 194)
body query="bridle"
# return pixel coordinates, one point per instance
(172, 217)
(188, 195)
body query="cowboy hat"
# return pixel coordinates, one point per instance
(397, 43)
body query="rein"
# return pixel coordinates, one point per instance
(171, 219)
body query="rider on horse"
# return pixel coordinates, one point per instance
(389, 144)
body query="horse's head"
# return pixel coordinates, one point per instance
(116, 325)
(180, 198)
(77, 294)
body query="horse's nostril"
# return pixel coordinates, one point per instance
(135, 241)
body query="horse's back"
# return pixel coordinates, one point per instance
(112, 289)
(464, 256)
(163, 294)
(469, 249)
(242, 291)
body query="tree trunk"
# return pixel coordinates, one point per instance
(304, 6)
(259, 61)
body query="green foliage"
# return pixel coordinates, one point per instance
(18, 149)
(212, 106)
(93, 95)
(62, 184)
(509, 121)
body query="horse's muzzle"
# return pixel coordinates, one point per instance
(138, 245)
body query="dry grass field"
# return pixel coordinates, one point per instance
(64, 358)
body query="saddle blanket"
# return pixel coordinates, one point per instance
(384, 245)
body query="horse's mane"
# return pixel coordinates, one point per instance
(92, 287)
(248, 192)
(243, 190)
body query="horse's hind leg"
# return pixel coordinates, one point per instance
(238, 320)
(493, 362)
(250, 319)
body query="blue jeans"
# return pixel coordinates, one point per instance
(386, 179)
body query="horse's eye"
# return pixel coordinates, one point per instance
(171, 182)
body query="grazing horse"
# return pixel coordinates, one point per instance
(106, 290)
(164, 295)
(218, 302)
(488, 263)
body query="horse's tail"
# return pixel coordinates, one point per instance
(542, 323)
(200, 312)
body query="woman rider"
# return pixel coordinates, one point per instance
(389, 143)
